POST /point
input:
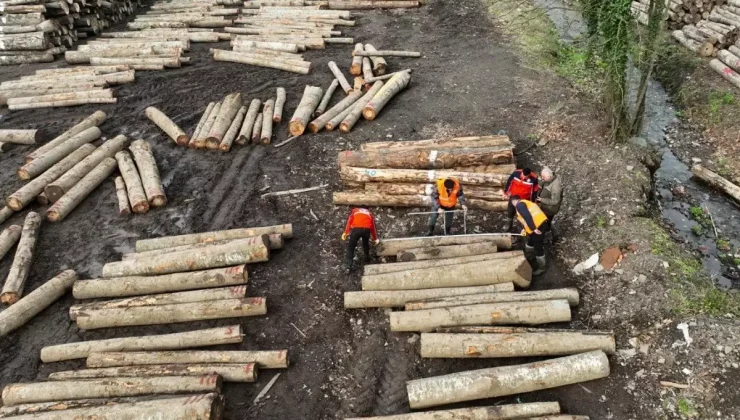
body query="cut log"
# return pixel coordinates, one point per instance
(356, 68)
(277, 113)
(367, 71)
(27, 193)
(122, 196)
(144, 158)
(233, 130)
(354, 115)
(267, 114)
(374, 79)
(48, 159)
(202, 121)
(194, 407)
(257, 128)
(246, 372)
(494, 412)
(391, 247)
(25, 309)
(273, 359)
(222, 55)
(384, 95)
(55, 190)
(704, 49)
(398, 298)
(369, 198)
(226, 114)
(200, 141)
(316, 125)
(55, 104)
(372, 4)
(24, 41)
(20, 136)
(327, 97)
(730, 59)
(16, 280)
(442, 143)
(245, 134)
(726, 72)
(8, 238)
(364, 175)
(336, 121)
(387, 53)
(426, 159)
(443, 252)
(311, 98)
(275, 46)
(5, 213)
(17, 103)
(28, 58)
(717, 181)
(569, 294)
(346, 87)
(275, 240)
(69, 201)
(136, 195)
(94, 120)
(404, 266)
(138, 63)
(167, 125)
(143, 245)
(476, 384)
(483, 193)
(15, 394)
(379, 64)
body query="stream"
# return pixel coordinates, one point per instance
(676, 192)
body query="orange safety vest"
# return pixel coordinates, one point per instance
(447, 200)
(538, 216)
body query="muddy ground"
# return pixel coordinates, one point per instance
(470, 81)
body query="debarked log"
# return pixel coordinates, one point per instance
(413, 265)
(495, 412)
(82, 189)
(444, 252)
(427, 159)
(266, 359)
(398, 298)
(15, 282)
(570, 294)
(236, 372)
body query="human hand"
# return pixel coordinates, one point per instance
(344, 236)
(537, 231)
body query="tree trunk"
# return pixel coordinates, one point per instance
(356, 68)
(225, 116)
(185, 45)
(704, 49)
(257, 129)
(272, 359)
(27, 193)
(143, 245)
(399, 298)
(42, 297)
(489, 169)
(144, 158)
(441, 143)
(245, 134)
(275, 242)
(56, 104)
(94, 120)
(277, 113)
(55, 190)
(229, 372)
(233, 130)
(443, 252)
(404, 266)
(80, 191)
(167, 125)
(174, 313)
(730, 59)
(717, 181)
(15, 394)
(311, 98)
(354, 115)
(483, 193)
(23, 42)
(379, 64)
(48, 159)
(316, 125)
(202, 121)
(529, 411)
(363, 175)
(200, 141)
(134, 187)
(340, 77)
(122, 195)
(390, 89)
(8, 238)
(334, 122)
(221, 55)
(391, 247)
(267, 114)
(16, 280)
(426, 159)
(517, 379)
(569, 294)
(20, 136)
(5, 213)
(327, 97)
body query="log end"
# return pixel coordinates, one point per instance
(313, 127)
(182, 140)
(296, 128)
(343, 127)
(23, 174)
(141, 207)
(241, 140)
(53, 193)
(9, 298)
(125, 212)
(225, 147)
(369, 112)
(212, 143)
(276, 119)
(158, 201)
(355, 70)
(13, 203)
(53, 215)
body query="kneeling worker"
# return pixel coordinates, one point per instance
(444, 199)
(360, 225)
(532, 218)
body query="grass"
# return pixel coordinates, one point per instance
(723, 244)
(723, 167)
(716, 100)
(601, 221)
(686, 408)
(697, 230)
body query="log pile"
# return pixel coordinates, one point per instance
(142, 187)
(679, 13)
(403, 174)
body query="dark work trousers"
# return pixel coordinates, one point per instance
(448, 220)
(355, 234)
(510, 211)
(538, 242)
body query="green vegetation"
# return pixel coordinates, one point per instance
(716, 101)
(686, 408)
(723, 244)
(723, 168)
(697, 213)
(697, 230)
(601, 221)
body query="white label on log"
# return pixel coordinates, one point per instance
(431, 175)
(432, 156)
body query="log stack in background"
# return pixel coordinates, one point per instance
(678, 12)
(403, 174)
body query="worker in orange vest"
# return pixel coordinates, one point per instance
(532, 218)
(445, 196)
(360, 225)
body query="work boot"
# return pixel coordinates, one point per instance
(528, 252)
(541, 264)
(554, 234)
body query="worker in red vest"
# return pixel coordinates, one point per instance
(360, 225)
(445, 196)
(532, 218)
(522, 183)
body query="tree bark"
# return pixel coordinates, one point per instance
(717, 181)
(42, 297)
(246, 372)
(27, 193)
(384, 95)
(143, 245)
(200, 141)
(134, 187)
(372, 4)
(277, 113)
(267, 114)
(16, 280)
(426, 159)
(363, 175)
(138, 44)
(20, 136)
(15, 394)
(202, 121)
(356, 68)
(379, 64)
(726, 72)
(122, 196)
(8, 238)
(346, 87)
(245, 134)
(494, 412)
(23, 42)
(367, 71)
(473, 385)
(311, 98)
(391, 247)
(704, 49)
(5, 213)
(507, 313)
(221, 55)
(225, 116)
(94, 120)
(354, 115)
(404, 266)
(441, 143)
(373, 79)
(272, 359)
(316, 125)
(48, 159)
(257, 129)
(80, 191)
(167, 125)
(569, 294)
(144, 158)
(399, 298)
(444, 252)
(55, 190)
(327, 97)
(233, 130)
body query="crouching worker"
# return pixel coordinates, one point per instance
(532, 219)
(444, 199)
(360, 225)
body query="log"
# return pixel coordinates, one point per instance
(232, 292)
(367, 71)
(48, 159)
(29, 306)
(370, 269)
(426, 159)
(202, 121)
(58, 97)
(5, 213)
(273, 359)
(716, 181)
(443, 252)
(189, 339)
(569, 294)
(327, 97)
(726, 72)
(94, 120)
(69, 201)
(704, 49)
(692, 32)
(245, 134)
(483, 193)
(233, 130)
(364, 175)
(339, 76)
(143, 245)
(173, 313)
(200, 141)
(266, 45)
(195, 407)
(398, 298)
(390, 89)
(15, 394)
(122, 196)
(222, 55)
(225, 116)
(23, 41)
(275, 240)
(233, 372)
(55, 190)
(336, 121)
(167, 125)
(387, 53)
(28, 58)
(476, 384)
(391, 247)
(316, 125)
(20, 136)
(730, 59)
(242, 251)
(277, 113)
(351, 119)
(493, 412)
(310, 100)
(136, 195)
(371, 4)
(374, 79)
(8, 238)
(267, 114)
(379, 64)
(144, 158)
(16, 280)
(17, 29)
(257, 129)
(27, 193)
(356, 67)
(70, 102)
(364, 198)
(136, 44)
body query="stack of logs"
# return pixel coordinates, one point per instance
(458, 291)
(67, 86)
(679, 12)
(139, 187)
(34, 31)
(137, 50)
(185, 14)
(403, 173)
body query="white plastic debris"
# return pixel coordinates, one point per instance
(684, 327)
(585, 265)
